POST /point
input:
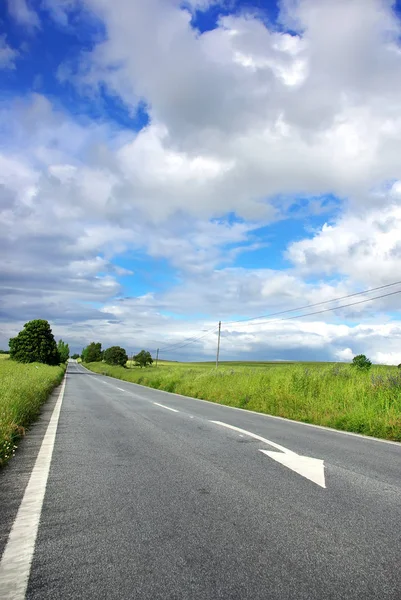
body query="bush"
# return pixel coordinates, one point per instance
(361, 362)
(35, 343)
(64, 351)
(143, 359)
(92, 353)
(115, 356)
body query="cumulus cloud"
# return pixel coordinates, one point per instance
(363, 245)
(320, 103)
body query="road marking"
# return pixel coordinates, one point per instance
(255, 436)
(121, 389)
(17, 557)
(166, 407)
(310, 468)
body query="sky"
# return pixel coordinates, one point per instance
(168, 164)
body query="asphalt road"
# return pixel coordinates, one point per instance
(145, 502)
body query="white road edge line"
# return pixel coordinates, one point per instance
(15, 564)
(166, 407)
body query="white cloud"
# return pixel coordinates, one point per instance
(345, 355)
(363, 245)
(255, 112)
(7, 54)
(23, 13)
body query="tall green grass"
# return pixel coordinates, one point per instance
(23, 389)
(333, 395)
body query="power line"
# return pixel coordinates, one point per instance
(318, 312)
(282, 312)
(187, 341)
(172, 348)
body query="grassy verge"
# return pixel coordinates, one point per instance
(23, 389)
(324, 394)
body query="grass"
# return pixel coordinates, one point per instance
(23, 389)
(330, 394)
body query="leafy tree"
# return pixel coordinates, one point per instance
(361, 362)
(143, 359)
(64, 351)
(92, 353)
(115, 356)
(75, 356)
(35, 343)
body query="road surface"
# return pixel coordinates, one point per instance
(153, 496)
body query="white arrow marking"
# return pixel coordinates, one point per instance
(310, 468)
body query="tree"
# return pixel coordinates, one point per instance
(115, 356)
(92, 353)
(75, 356)
(143, 359)
(64, 351)
(361, 362)
(35, 343)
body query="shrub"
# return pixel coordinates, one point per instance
(92, 353)
(143, 359)
(115, 356)
(361, 362)
(64, 351)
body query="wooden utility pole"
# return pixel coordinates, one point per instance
(218, 346)
(157, 356)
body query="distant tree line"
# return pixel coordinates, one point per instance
(115, 355)
(36, 343)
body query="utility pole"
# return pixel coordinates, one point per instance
(157, 356)
(218, 346)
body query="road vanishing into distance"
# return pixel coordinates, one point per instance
(121, 491)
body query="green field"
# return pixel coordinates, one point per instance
(23, 389)
(330, 394)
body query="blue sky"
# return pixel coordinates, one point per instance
(174, 164)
